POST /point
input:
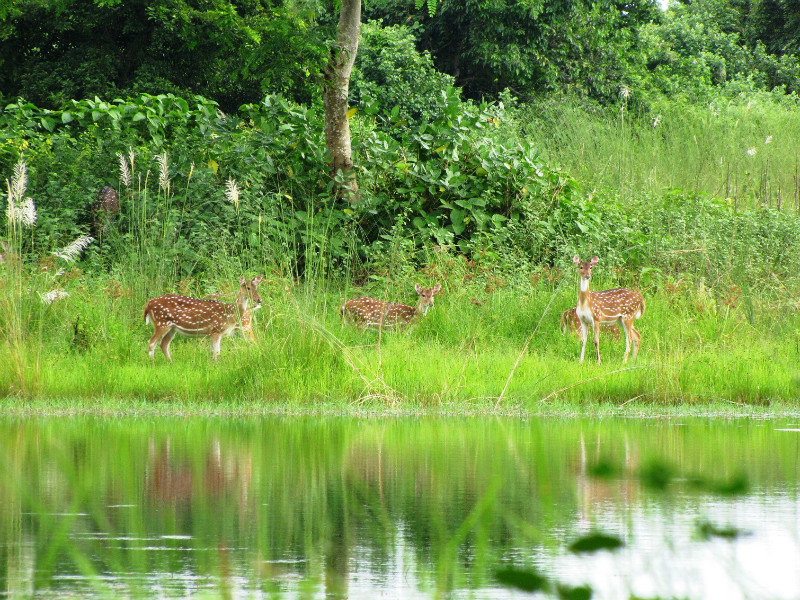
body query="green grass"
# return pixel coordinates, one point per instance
(742, 149)
(698, 350)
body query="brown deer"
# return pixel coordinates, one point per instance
(621, 306)
(173, 314)
(571, 323)
(369, 312)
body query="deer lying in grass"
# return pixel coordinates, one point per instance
(173, 314)
(572, 324)
(369, 312)
(621, 306)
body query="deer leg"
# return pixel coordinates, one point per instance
(165, 342)
(637, 340)
(584, 335)
(596, 327)
(216, 338)
(159, 333)
(627, 325)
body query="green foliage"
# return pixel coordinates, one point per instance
(53, 52)
(390, 72)
(529, 46)
(690, 54)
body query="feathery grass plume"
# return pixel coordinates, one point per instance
(751, 151)
(625, 92)
(768, 140)
(53, 296)
(232, 193)
(71, 252)
(11, 209)
(124, 170)
(131, 158)
(19, 210)
(19, 182)
(27, 213)
(163, 171)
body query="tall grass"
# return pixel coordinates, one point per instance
(741, 149)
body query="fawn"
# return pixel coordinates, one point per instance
(173, 314)
(369, 312)
(621, 306)
(571, 323)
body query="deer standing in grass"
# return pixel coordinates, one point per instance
(369, 312)
(620, 305)
(173, 314)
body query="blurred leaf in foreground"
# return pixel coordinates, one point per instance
(594, 542)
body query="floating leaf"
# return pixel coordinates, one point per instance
(706, 530)
(594, 542)
(521, 579)
(565, 592)
(351, 112)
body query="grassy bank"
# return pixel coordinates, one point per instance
(469, 354)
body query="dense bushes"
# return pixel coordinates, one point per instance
(202, 191)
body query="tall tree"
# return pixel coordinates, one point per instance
(335, 89)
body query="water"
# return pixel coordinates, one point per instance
(395, 508)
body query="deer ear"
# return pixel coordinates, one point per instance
(418, 288)
(576, 259)
(436, 288)
(242, 281)
(257, 280)
(594, 260)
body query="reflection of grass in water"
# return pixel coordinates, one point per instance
(321, 492)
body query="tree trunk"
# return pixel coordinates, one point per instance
(336, 86)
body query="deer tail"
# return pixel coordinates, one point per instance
(564, 322)
(640, 312)
(147, 313)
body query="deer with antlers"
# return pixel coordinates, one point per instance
(173, 314)
(620, 306)
(369, 312)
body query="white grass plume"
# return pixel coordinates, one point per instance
(124, 170)
(71, 252)
(53, 296)
(20, 209)
(163, 171)
(232, 193)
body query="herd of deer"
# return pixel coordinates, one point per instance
(173, 314)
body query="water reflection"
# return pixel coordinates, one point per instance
(342, 508)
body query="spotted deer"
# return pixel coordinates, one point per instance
(173, 314)
(572, 324)
(369, 312)
(620, 306)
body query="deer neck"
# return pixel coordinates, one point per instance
(584, 293)
(242, 302)
(422, 309)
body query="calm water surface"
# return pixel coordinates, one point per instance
(395, 508)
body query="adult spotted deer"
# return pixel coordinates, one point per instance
(369, 312)
(173, 314)
(621, 306)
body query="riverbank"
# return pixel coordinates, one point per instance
(477, 352)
